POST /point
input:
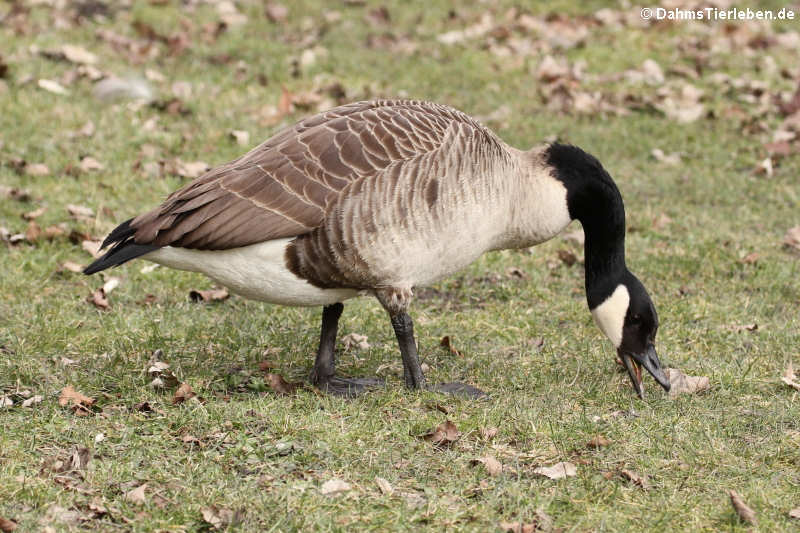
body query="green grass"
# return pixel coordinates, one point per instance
(530, 343)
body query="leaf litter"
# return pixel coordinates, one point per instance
(443, 435)
(743, 511)
(559, 470)
(681, 383)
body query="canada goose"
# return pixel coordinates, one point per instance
(383, 196)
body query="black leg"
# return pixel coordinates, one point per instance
(323, 375)
(412, 370)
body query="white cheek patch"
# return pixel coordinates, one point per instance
(610, 315)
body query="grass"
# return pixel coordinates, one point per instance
(530, 343)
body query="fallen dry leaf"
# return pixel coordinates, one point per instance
(79, 403)
(488, 433)
(20, 195)
(183, 393)
(492, 465)
(598, 441)
(52, 87)
(764, 167)
(32, 401)
(192, 169)
(680, 383)
(280, 385)
(354, 340)
(334, 486)
(37, 169)
(516, 272)
(447, 344)
(742, 327)
(36, 213)
(93, 247)
(567, 257)
(212, 295)
(557, 471)
(795, 513)
(541, 522)
(789, 377)
(99, 299)
(661, 221)
(671, 159)
(90, 164)
(635, 478)
(76, 54)
(445, 434)
(384, 486)
(6, 525)
(746, 514)
(241, 137)
(792, 238)
(79, 211)
(137, 496)
(750, 258)
(276, 13)
(220, 518)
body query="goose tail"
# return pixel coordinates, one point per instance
(123, 249)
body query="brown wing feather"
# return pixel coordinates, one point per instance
(283, 187)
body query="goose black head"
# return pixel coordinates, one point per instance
(629, 319)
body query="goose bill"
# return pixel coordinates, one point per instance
(649, 360)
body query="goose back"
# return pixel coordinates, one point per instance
(285, 186)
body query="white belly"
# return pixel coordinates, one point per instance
(257, 272)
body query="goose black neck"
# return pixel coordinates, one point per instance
(594, 199)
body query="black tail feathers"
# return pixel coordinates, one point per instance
(123, 250)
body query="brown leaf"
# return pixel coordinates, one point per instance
(6, 525)
(93, 247)
(20, 195)
(37, 169)
(280, 385)
(764, 167)
(746, 514)
(742, 327)
(81, 405)
(541, 522)
(789, 377)
(492, 465)
(598, 441)
(750, 258)
(241, 137)
(334, 486)
(516, 272)
(384, 486)
(276, 13)
(36, 213)
(445, 434)
(136, 496)
(557, 471)
(671, 159)
(792, 238)
(99, 299)
(680, 383)
(635, 478)
(33, 232)
(446, 343)
(212, 295)
(192, 169)
(220, 518)
(71, 266)
(183, 393)
(52, 87)
(567, 257)
(661, 221)
(488, 433)
(90, 164)
(352, 340)
(795, 513)
(79, 211)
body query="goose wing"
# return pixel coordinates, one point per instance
(283, 187)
